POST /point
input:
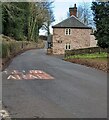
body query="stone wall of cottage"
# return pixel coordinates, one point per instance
(79, 38)
(93, 42)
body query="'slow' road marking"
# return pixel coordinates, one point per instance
(30, 75)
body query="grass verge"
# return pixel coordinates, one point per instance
(95, 60)
(101, 55)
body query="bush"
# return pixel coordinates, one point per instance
(0, 50)
(10, 46)
(5, 50)
(13, 47)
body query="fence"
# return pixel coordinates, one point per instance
(84, 51)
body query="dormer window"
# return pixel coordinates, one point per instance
(67, 31)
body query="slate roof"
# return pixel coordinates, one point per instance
(71, 22)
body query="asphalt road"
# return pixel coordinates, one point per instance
(75, 92)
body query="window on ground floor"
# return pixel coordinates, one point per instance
(68, 46)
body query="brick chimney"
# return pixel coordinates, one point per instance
(73, 10)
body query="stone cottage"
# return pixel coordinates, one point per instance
(71, 33)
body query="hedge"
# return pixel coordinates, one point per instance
(84, 51)
(13, 47)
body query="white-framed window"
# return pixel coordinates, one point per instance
(67, 46)
(67, 31)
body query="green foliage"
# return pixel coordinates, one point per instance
(12, 47)
(101, 18)
(24, 19)
(90, 56)
(0, 49)
(12, 20)
(5, 50)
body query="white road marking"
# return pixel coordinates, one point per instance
(39, 76)
(24, 76)
(12, 77)
(32, 74)
(36, 71)
(4, 114)
(12, 72)
(5, 72)
(40, 71)
(18, 77)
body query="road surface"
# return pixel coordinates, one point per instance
(75, 91)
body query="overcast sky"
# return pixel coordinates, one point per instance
(61, 8)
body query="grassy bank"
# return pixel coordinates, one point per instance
(102, 55)
(95, 60)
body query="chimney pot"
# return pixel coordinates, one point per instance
(75, 5)
(73, 10)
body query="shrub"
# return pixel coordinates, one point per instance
(5, 50)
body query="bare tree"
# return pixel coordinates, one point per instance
(49, 16)
(40, 15)
(85, 14)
